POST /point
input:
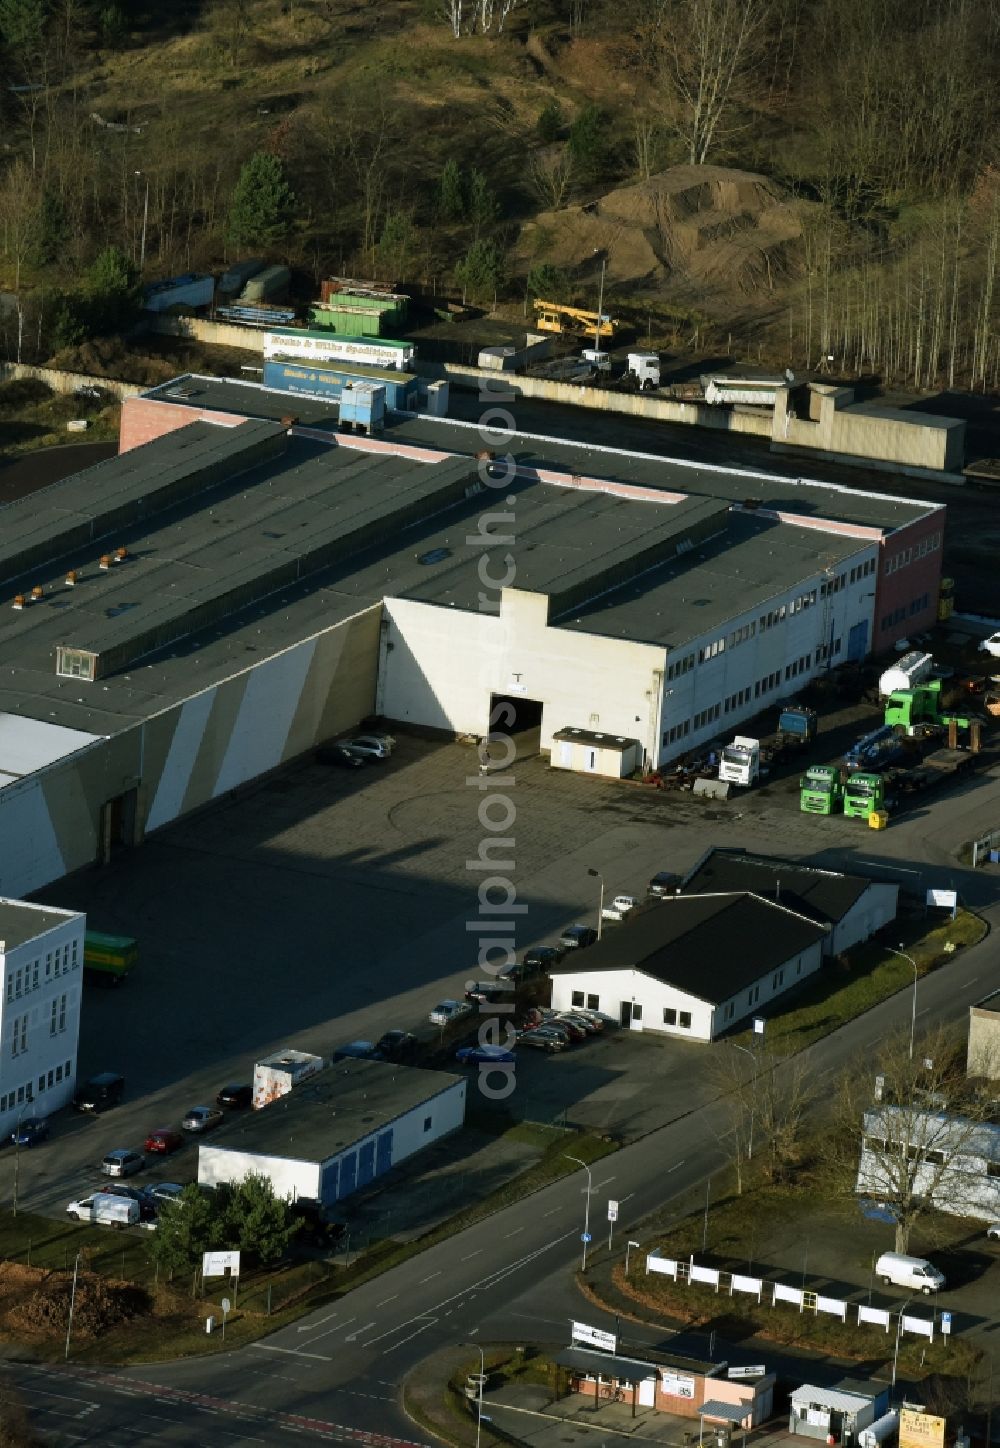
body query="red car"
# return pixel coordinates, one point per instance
(164, 1139)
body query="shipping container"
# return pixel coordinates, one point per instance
(291, 345)
(187, 291)
(349, 321)
(107, 959)
(327, 381)
(269, 285)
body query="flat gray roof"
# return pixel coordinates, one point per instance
(21, 922)
(810, 498)
(754, 561)
(246, 399)
(332, 1110)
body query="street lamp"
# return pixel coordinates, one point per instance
(145, 218)
(600, 909)
(586, 1213)
(895, 1354)
(482, 1377)
(17, 1151)
(628, 1247)
(913, 1012)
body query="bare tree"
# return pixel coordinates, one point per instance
(766, 1097)
(709, 51)
(551, 175)
(911, 1132)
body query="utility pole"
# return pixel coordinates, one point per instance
(72, 1304)
(913, 1009)
(145, 218)
(586, 1213)
(600, 908)
(600, 307)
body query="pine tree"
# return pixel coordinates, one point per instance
(262, 204)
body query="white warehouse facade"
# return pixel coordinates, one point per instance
(337, 1131)
(41, 958)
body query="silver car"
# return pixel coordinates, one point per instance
(122, 1163)
(367, 744)
(202, 1118)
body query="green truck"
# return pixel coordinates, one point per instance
(820, 790)
(863, 795)
(107, 959)
(908, 709)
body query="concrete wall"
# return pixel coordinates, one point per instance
(64, 382)
(984, 1042)
(441, 666)
(216, 334)
(290, 1177)
(837, 429)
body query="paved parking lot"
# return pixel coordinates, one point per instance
(323, 906)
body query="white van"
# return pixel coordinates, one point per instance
(110, 1210)
(903, 1271)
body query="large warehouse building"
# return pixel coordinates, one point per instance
(203, 608)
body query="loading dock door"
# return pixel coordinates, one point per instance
(366, 1163)
(118, 822)
(383, 1154)
(348, 1174)
(857, 641)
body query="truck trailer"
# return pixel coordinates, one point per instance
(108, 959)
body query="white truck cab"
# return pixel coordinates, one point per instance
(620, 906)
(740, 763)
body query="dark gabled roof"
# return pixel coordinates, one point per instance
(710, 946)
(822, 895)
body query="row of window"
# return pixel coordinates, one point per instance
(682, 666)
(827, 651)
(28, 977)
(718, 646)
(914, 1151)
(19, 1025)
(740, 635)
(737, 700)
(679, 731)
(767, 683)
(905, 556)
(27, 1092)
(804, 600)
(915, 606)
(591, 1002)
(707, 716)
(862, 570)
(798, 666)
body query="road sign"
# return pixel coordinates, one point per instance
(585, 1237)
(946, 1322)
(612, 1210)
(226, 1305)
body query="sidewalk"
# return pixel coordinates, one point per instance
(527, 1413)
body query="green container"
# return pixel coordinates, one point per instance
(107, 959)
(349, 321)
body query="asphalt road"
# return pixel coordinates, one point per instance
(505, 1277)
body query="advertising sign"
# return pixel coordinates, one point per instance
(217, 1264)
(920, 1430)
(677, 1385)
(594, 1337)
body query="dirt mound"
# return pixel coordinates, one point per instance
(711, 228)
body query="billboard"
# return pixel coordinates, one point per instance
(920, 1430)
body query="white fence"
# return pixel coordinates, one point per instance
(799, 1297)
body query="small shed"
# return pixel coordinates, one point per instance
(588, 752)
(836, 1414)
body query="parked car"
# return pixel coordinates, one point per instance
(357, 1051)
(577, 937)
(993, 1231)
(447, 1011)
(122, 1163)
(620, 906)
(904, 1271)
(160, 1192)
(367, 740)
(163, 1140)
(540, 1038)
(118, 1212)
(364, 744)
(991, 646)
(596, 1019)
(566, 1023)
(341, 755)
(488, 990)
(534, 963)
(398, 1046)
(100, 1093)
(663, 883)
(484, 1055)
(30, 1132)
(202, 1118)
(588, 1027)
(235, 1098)
(82, 1210)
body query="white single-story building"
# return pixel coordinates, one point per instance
(851, 906)
(337, 1131)
(836, 1414)
(692, 966)
(950, 1160)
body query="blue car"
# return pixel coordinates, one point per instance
(30, 1133)
(484, 1055)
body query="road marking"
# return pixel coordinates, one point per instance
(353, 1337)
(423, 1317)
(330, 1329)
(605, 1183)
(291, 1351)
(429, 1279)
(387, 1299)
(329, 1318)
(514, 1233)
(676, 1166)
(553, 1211)
(472, 1254)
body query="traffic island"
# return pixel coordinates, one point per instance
(442, 1394)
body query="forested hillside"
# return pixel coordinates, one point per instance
(814, 178)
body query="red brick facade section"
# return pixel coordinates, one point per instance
(909, 580)
(144, 419)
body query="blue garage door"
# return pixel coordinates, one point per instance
(348, 1175)
(857, 641)
(328, 1183)
(366, 1163)
(383, 1155)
